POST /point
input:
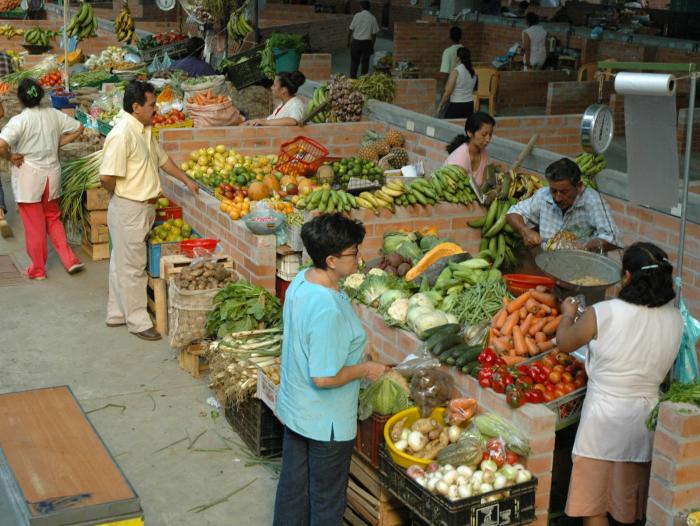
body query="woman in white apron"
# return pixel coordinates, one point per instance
(30, 141)
(633, 341)
(290, 111)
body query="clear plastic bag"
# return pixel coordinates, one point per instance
(187, 314)
(431, 387)
(685, 369)
(412, 363)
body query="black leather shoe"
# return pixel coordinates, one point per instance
(149, 334)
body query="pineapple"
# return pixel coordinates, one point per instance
(399, 157)
(382, 147)
(368, 151)
(395, 138)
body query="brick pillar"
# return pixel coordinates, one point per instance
(675, 469)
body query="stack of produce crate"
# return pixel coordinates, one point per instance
(96, 239)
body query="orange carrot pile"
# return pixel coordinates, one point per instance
(525, 326)
(204, 98)
(4, 88)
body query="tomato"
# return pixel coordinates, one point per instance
(567, 388)
(549, 388)
(558, 368)
(539, 387)
(511, 458)
(548, 397)
(579, 382)
(581, 374)
(558, 392)
(567, 378)
(554, 377)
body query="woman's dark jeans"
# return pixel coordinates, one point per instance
(2, 198)
(313, 482)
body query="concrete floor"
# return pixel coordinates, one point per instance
(53, 333)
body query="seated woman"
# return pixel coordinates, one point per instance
(469, 151)
(291, 110)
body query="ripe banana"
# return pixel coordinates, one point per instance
(124, 25)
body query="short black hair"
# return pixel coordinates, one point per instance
(563, 170)
(455, 34)
(135, 93)
(364, 5)
(532, 19)
(651, 276)
(30, 93)
(292, 80)
(328, 235)
(195, 47)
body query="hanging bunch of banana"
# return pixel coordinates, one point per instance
(318, 100)
(84, 23)
(37, 36)
(238, 26)
(590, 165)
(124, 25)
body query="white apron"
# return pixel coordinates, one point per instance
(29, 182)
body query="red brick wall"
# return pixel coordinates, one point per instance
(675, 473)
(327, 33)
(527, 89)
(416, 95)
(316, 66)
(574, 97)
(560, 133)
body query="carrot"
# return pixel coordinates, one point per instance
(554, 312)
(541, 288)
(540, 337)
(545, 346)
(511, 322)
(523, 313)
(501, 345)
(518, 302)
(519, 341)
(533, 306)
(548, 299)
(506, 301)
(493, 334)
(537, 326)
(532, 348)
(551, 327)
(500, 318)
(525, 325)
(512, 360)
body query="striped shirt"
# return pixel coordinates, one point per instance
(588, 217)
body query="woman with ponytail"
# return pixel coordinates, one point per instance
(633, 341)
(469, 150)
(460, 88)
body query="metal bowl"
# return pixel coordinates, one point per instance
(566, 266)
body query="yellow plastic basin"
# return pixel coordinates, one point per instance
(402, 458)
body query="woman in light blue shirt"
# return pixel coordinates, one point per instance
(322, 367)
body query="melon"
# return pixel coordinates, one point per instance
(287, 180)
(271, 182)
(258, 191)
(305, 186)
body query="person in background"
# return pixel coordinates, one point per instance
(322, 350)
(460, 87)
(290, 111)
(469, 151)
(534, 42)
(361, 37)
(449, 55)
(193, 64)
(5, 228)
(633, 341)
(129, 171)
(30, 141)
(566, 205)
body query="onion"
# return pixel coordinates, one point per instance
(421, 481)
(489, 477)
(431, 484)
(489, 465)
(401, 445)
(523, 476)
(450, 476)
(519, 467)
(499, 482)
(415, 471)
(432, 467)
(465, 470)
(462, 480)
(454, 432)
(442, 487)
(417, 441)
(453, 493)
(447, 467)
(465, 491)
(404, 434)
(485, 488)
(509, 472)
(478, 475)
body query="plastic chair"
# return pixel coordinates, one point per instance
(488, 85)
(587, 71)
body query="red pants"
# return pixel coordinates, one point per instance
(38, 219)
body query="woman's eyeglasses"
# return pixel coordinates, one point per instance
(353, 254)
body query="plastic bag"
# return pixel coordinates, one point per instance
(211, 115)
(685, 369)
(187, 314)
(491, 425)
(430, 388)
(386, 396)
(412, 363)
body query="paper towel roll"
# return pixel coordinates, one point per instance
(661, 84)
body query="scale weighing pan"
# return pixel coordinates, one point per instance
(566, 266)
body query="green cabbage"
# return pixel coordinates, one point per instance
(388, 297)
(387, 396)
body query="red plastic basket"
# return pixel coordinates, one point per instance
(190, 246)
(300, 156)
(519, 283)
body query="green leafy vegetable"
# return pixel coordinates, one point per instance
(241, 306)
(388, 395)
(678, 393)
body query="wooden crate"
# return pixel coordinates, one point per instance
(192, 360)
(368, 501)
(97, 199)
(158, 303)
(97, 217)
(173, 264)
(95, 251)
(97, 233)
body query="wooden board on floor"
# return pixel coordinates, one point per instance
(95, 251)
(54, 465)
(158, 303)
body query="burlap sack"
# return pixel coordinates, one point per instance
(224, 114)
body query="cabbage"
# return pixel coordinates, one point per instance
(421, 299)
(393, 240)
(416, 312)
(388, 395)
(372, 288)
(387, 298)
(425, 322)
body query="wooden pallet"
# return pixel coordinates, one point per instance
(191, 359)
(97, 199)
(173, 264)
(95, 251)
(97, 233)
(97, 217)
(369, 503)
(158, 303)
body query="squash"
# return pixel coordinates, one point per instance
(258, 191)
(287, 180)
(305, 185)
(271, 182)
(440, 251)
(466, 451)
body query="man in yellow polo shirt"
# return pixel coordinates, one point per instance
(129, 170)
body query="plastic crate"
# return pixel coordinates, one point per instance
(300, 156)
(370, 438)
(62, 101)
(155, 252)
(175, 50)
(517, 508)
(155, 130)
(173, 211)
(256, 424)
(288, 265)
(195, 247)
(281, 286)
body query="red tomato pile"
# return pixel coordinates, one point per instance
(53, 78)
(173, 117)
(544, 380)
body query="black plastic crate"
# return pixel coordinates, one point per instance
(247, 72)
(518, 508)
(258, 426)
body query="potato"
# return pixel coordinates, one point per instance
(424, 425)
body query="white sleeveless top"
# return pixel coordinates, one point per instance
(464, 87)
(634, 349)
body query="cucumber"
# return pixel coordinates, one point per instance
(450, 356)
(444, 345)
(436, 334)
(469, 354)
(472, 369)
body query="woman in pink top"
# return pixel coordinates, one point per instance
(469, 151)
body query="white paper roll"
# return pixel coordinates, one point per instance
(662, 84)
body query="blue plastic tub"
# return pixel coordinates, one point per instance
(162, 249)
(286, 59)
